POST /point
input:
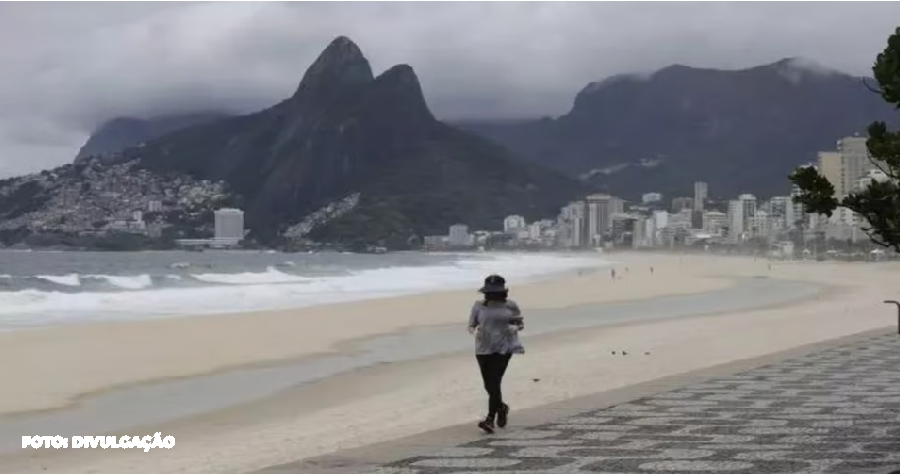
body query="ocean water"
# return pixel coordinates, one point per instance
(45, 288)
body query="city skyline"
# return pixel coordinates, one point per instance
(600, 220)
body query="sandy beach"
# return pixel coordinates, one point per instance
(82, 360)
(59, 366)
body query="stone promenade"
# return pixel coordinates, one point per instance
(833, 411)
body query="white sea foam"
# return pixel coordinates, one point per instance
(137, 282)
(271, 275)
(271, 289)
(71, 279)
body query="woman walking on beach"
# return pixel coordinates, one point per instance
(495, 321)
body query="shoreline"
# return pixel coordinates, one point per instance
(372, 404)
(358, 348)
(84, 347)
(330, 393)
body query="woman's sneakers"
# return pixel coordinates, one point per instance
(503, 416)
(487, 425)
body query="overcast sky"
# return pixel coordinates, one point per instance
(67, 67)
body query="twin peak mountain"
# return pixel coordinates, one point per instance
(347, 132)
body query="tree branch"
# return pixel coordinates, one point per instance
(871, 89)
(878, 164)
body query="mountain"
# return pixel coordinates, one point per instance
(124, 132)
(740, 130)
(345, 132)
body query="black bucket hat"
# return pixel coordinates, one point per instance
(493, 284)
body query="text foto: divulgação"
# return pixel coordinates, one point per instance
(106, 442)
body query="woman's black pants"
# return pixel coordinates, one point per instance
(493, 366)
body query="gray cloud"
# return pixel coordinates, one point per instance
(69, 66)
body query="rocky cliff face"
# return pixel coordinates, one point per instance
(124, 132)
(346, 132)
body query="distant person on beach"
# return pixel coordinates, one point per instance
(495, 321)
(651, 270)
(612, 273)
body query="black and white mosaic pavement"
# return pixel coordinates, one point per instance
(835, 411)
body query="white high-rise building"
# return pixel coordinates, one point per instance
(639, 232)
(855, 161)
(714, 222)
(680, 220)
(782, 210)
(600, 209)
(229, 225)
(459, 236)
(579, 224)
(513, 224)
(830, 166)
(571, 225)
(799, 214)
(650, 231)
(534, 231)
(661, 219)
(576, 214)
(700, 195)
(595, 229)
(748, 201)
(847, 165)
(735, 219)
(651, 197)
(759, 224)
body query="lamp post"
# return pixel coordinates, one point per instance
(898, 312)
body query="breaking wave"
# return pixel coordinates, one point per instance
(72, 298)
(271, 275)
